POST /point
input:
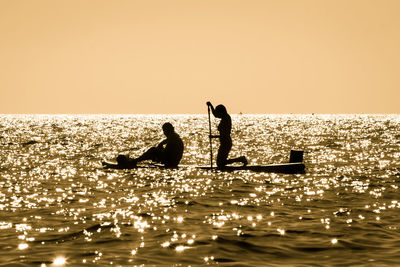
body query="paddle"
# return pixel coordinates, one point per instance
(209, 126)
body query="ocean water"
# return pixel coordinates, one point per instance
(58, 206)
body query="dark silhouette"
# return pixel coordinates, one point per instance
(224, 136)
(169, 152)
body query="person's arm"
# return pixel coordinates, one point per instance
(213, 110)
(162, 143)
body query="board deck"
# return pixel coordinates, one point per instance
(114, 165)
(297, 167)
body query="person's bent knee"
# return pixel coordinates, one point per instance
(221, 164)
(156, 154)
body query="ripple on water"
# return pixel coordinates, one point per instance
(58, 206)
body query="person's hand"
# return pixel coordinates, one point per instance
(209, 103)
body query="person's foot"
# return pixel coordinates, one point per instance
(243, 160)
(124, 162)
(132, 163)
(105, 164)
(122, 159)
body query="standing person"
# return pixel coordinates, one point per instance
(168, 152)
(224, 136)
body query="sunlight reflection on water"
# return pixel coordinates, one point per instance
(55, 198)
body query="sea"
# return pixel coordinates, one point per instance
(60, 207)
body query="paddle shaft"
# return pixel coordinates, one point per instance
(209, 126)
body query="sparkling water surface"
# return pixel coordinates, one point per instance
(58, 206)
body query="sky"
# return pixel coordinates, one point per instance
(159, 56)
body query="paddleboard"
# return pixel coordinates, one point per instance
(297, 167)
(114, 165)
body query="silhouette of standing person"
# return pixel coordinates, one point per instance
(224, 136)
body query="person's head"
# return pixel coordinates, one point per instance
(168, 129)
(220, 111)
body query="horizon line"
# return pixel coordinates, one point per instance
(240, 113)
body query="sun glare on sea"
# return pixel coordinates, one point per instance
(59, 261)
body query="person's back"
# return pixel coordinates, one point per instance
(173, 150)
(224, 129)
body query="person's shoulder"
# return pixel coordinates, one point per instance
(227, 118)
(178, 136)
(175, 136)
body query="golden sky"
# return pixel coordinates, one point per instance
(171, 56)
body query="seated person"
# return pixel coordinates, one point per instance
(169, 152)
